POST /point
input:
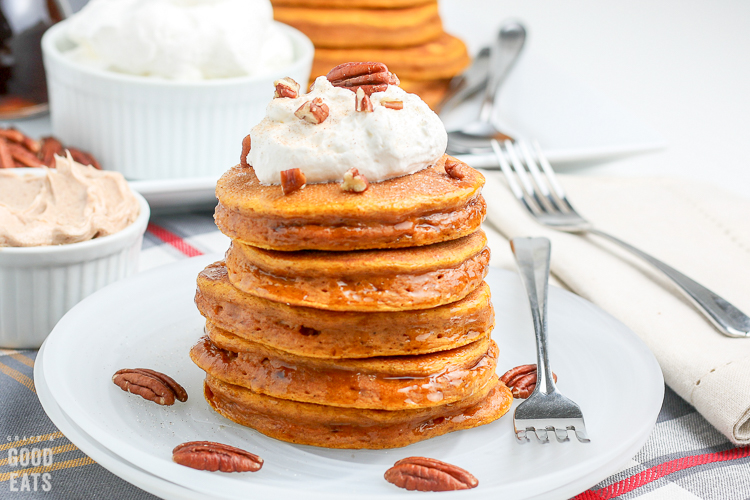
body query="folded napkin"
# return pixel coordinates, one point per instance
(696, 228)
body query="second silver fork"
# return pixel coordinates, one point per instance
(532, 181)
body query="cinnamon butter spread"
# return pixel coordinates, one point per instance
(68, 204)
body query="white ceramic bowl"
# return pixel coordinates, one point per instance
(151, 128)
(38, 285)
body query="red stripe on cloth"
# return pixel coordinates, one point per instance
(170, 238)
(659, 471)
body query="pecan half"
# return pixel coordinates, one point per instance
(369, 76)
(6, 159)
(207, 455)
(149, 384)
(286, 87)
(245, 150)
(23, 155)
(292, 180)
(392, 104)
(354, 181)
(84, 158)
(521, 380)
(315, 111)
(362, 101)
(454, 168)
(428, 474)
(50, 148)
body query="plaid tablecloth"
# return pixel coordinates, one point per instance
(684, 459)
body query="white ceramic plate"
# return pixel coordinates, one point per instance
(97, 452)
(150, 321)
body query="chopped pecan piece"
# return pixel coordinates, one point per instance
(369, 76)
(521, 380)
(315, 111)
(245, 150)
(454, 168)
(354, 181)
(286, 87)
(428, 474)
(362, 101)
(292, 180)
(149, 384)
(392, 104)
(207, 455)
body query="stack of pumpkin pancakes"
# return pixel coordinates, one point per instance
(351, 320)
(406, 35)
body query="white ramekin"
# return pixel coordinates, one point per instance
(151, 128)
(38, 285)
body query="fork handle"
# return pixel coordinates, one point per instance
(728, 319)
(533, 257)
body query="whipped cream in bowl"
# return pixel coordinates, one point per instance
(164, 89)
(381, 144)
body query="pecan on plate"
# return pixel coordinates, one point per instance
(286, 87)
(245, 150)
(207, 455)
(369, 76)
(521, 380)
(354, 181)
(84, 158)
(149, 384)
(292, 180)
(428, 474)
(6, 159)
(315, 111)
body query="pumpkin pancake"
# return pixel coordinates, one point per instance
(332, 334)
(418, 209)
(335, 427)
(349, 28)
(364, 280)
(386, 383)
(442, 58)
(432, 92)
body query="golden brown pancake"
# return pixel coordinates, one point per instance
(419, 209)
(329, 334)
(335, 427)
(350, 28)
(438, 59)
(350, 4)
(385, 383)
(365, 280)
(432, 92)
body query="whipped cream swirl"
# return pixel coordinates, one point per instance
(381, 144)
(179, 39)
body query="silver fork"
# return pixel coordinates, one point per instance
(533, 182)
(546, 410)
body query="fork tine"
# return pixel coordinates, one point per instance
(515, 187)
(539, 180)
(552, 178)
(542, 435)
(561, 435)
(520, 171)
(581, 433)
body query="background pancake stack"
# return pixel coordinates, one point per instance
(406, 35)
(352, 320)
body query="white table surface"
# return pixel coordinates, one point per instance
(683, 67)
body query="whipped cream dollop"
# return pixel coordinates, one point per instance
(179, 39)
(381, 144)
(67, 204)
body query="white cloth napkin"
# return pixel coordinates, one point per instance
(696, 228)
